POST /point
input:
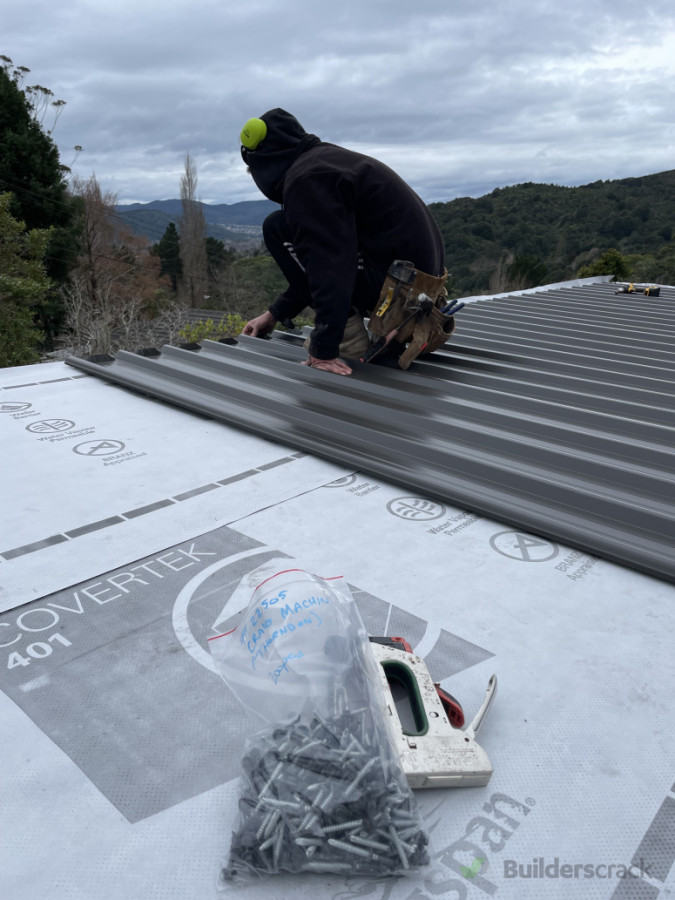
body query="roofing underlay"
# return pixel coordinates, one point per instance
(135, 531)
(552, 411)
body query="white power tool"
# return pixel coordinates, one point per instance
(433, 752)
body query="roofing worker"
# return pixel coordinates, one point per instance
(345, 218)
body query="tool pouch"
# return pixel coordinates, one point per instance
(430, 332)
(399, 297)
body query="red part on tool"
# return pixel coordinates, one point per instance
(402, 641)
(453, 708)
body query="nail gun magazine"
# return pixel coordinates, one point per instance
(326, 783)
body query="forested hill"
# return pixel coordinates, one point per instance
(532, 234)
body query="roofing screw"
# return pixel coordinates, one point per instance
(323, 804)
(409, 832)
(308, 842)
(343, 826)
(277, 848)
(399, 847)
(366, 842)
(303, 748)
(281, 804)
(350, 848)
(275, 774)
(267, 843)
(352, 746)
(309, 819)
(272, 824)
(265, 822)
(327, 867)
(369, 765)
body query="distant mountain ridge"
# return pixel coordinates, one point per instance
(231, 223)
(247, 212)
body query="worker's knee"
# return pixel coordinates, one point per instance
(275, 227)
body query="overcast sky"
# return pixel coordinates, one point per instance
(458, 98)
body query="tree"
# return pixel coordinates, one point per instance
(220, 260)
(526, 271)
(610, 263)
(194, 280)
(251, 284)
(113, 289)
(31, 170)
(23, 286)
(168, 251)
(218, 257)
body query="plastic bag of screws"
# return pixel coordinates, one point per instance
(321, 796)
(321, 789)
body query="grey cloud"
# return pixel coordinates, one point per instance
(460, 99)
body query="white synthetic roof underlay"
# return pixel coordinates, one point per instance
(128, 524)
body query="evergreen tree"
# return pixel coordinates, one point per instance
(168, 250)
(23, 285)
(30, 169)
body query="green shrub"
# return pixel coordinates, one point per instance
(229, 326)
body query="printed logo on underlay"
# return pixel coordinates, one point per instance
(415, 508)
(14, 407)
(98, 448)
(342, 482)
(523, 547)
(47, 426)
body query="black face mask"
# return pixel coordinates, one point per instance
(286, 139)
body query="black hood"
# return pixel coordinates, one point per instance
(285, 140)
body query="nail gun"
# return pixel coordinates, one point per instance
(425, 726)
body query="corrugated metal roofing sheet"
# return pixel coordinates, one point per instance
(552, 411)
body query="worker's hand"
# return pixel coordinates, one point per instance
(328, 365)
(260, 326)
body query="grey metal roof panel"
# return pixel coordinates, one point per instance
(553, 412)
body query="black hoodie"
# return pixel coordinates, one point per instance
(286, 139)
(339, 204)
